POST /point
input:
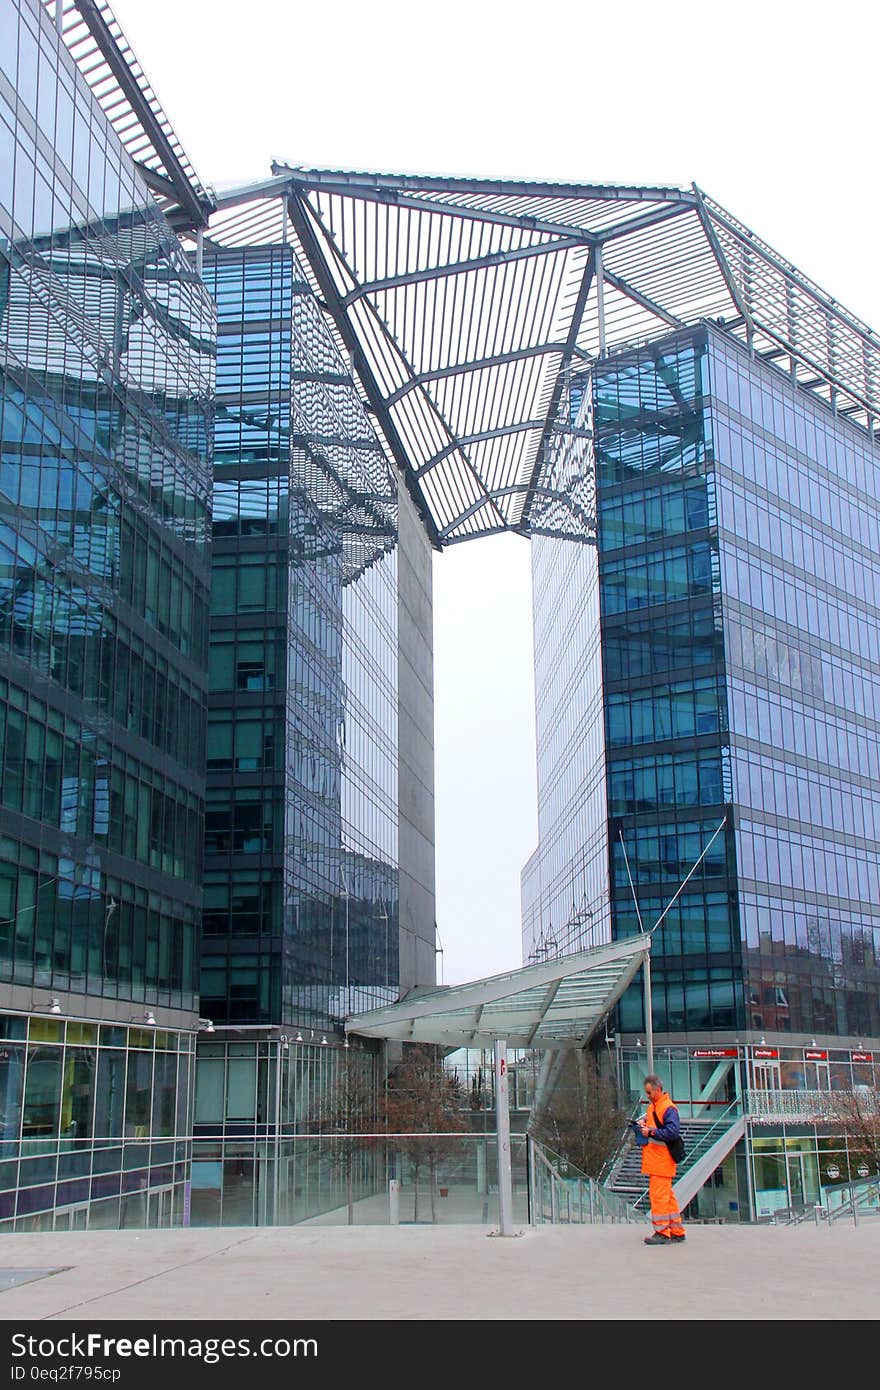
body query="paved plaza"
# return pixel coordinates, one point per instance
(375, 1272)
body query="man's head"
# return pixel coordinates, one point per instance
(653, 1086)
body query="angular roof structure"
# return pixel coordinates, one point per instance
(95, 40)
(465, 305)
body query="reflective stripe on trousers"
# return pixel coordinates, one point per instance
(664, 1208)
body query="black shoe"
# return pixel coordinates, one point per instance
(658, 1240)
(678, 1238)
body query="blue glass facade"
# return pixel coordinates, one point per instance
(739, 594)
(302, 892)
(669, 782)
(106, 379)
(798, 516)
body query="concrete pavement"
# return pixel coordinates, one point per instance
(445, 1272)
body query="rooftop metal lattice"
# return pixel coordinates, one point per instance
(95, 40)
(464, 305)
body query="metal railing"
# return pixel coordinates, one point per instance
(767, 1107)
(612, 1164)
(561, 1194)
(852, 1199)
(707, 1137)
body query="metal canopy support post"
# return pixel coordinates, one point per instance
(649, 1017)
(502, 1130)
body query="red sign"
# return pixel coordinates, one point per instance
(765, 1052)
(715, 1052)
(816, 1054)
(862, 1056)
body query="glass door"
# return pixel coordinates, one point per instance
(159, 1208)
(797, 1186)
(72, 1218)
(766, 1075)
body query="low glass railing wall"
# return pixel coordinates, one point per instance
(366, 1180)
(562, 1195)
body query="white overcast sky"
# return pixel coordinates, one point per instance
(770, 107)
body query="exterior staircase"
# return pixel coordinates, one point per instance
(707, 1143)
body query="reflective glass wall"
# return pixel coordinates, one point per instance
(95, 1123)
(798, 517)
(107, 343)
(106, 378)
(668, 768)
(565, 883)
(301, 885)
(738, 587)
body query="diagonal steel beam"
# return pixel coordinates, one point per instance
(476, 364)
(648, 219)
(723, 265)
(392, 198)
(442, 272)
(189, 202)
(642, 299)
(498, 188)
(401, 360)
(484, 435)
(296, 211)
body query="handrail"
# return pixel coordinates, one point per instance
(599, 1204)
(708, 1135)
(616, 1158)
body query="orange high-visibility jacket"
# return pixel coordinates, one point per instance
(656, 1158)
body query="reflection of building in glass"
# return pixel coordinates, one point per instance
(319, 824)
(302, 916)
(106, 378)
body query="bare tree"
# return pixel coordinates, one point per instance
(424, 1104)
(857, 1112)
(582, 1120)
(349, 1114)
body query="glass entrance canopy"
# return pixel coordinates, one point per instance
(556, 1004)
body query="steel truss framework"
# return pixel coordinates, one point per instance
(92, 34)
(465, 305)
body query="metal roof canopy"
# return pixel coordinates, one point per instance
(553, 1006)
(557, 1004)
(465, 305)
(98, 46)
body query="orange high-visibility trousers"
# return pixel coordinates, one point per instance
(664, 1208)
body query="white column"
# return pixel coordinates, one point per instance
(502, 1129)
(393, 1202)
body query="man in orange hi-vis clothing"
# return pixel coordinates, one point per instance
(659, 1125)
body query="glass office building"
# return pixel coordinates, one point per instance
(106, 380)
(315, 720)
(302, 921)
(738, 604)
